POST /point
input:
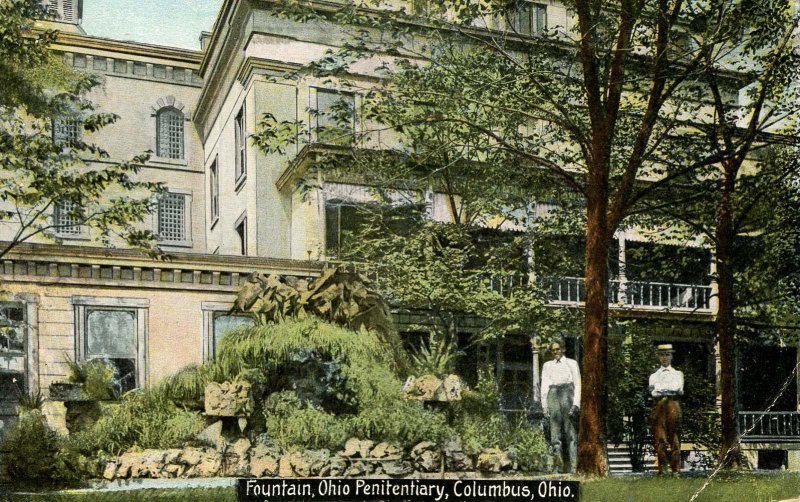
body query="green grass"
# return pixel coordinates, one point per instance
(727, 488)
(187, 495)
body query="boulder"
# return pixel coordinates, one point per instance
(359, 469)
(397, 467)
(236, 458)
(110, 470)
(493, 460)
(191, 456)
(55, 413)
(229, 399)
(450, 390)
(337, 467)
(386, 450)
(212, 436)
(264, 461)
(454, 457)
(209, 465)
(355, 447)
(426, 457)
(423, 388)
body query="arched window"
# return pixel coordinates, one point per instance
(169, 133)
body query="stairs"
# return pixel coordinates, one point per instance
(619, 460)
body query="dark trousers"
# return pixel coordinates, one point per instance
(665, 419)
(559, 404)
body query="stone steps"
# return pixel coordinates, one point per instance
(619, 460)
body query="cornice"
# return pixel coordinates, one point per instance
(185, 56)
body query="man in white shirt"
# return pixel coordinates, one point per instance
(561, 400)
(666, 386)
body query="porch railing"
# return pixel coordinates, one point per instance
(758, 426)
(637, 294)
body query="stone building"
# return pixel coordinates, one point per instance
(230, 209)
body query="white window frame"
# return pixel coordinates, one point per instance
(213, 188)
(210, 311)
(187, 218)
(140, 306)
(159, 132)
(532, 9)
(240, 146)
(243, 244)
(30, 305)
(67, 129)
(80, 231)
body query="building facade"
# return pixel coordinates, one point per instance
(231, 210)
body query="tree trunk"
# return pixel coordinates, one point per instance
(729, 454)
(591, 434)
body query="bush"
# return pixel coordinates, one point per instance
(400, 421)
(292, 426)
(37, 455)
(143, 418)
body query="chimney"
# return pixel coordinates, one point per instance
(65, 11)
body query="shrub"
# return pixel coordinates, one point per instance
(400, 421)
(143, 418)
(37, 455)
(293, 427)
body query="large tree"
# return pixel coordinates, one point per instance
(607, 106)
(46, 165)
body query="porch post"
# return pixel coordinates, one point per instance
(713, 301)
(535, 370)
(623, 278)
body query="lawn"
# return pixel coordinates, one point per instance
(728, 488)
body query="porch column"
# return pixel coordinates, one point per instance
(717, 375)
(623, 278)
(713, 301)
(535, 370)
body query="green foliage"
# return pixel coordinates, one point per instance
(95, 376)
(98, 383)
(36, 455)
(187, 386)
(38, 172)
(436, 356)
(142, 418)
(401, 422)
(30, 401)
(292, 426)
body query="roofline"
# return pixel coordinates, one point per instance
(187, 56)
(132, 257)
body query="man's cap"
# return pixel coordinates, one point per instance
(665, 347)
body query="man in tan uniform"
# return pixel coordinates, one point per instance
(666, 386)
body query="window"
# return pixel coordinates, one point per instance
(241, 145)
(342, 219)
(13, 362)
(67, 130)
(113, 330)
(213, 177)
(427, 8)
(66, 219)
(224, 323)
(529, 18)
(172, 216)
(241, 232)
(334, 116)
(217, 321)
(169, 133)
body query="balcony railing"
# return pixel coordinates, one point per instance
(759, 426)
(621, 294)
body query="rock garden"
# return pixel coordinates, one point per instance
(320, 386)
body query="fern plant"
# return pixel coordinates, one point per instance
(435, 356)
